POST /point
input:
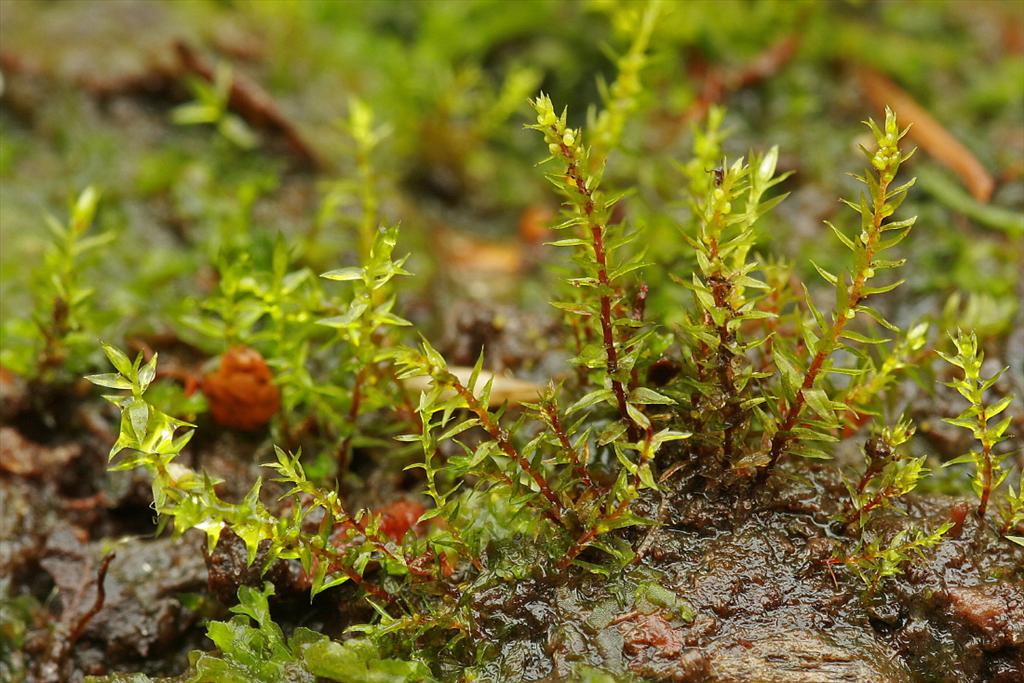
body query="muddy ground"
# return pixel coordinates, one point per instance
(766, 603)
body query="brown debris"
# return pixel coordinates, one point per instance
(479, 257)
(399, 517)
(656, 650)
(766, 64)
(252, 102)
(241, 391)
(718, 83)
(13, 394)
(229, 567)
(24, 458)
(97, 603)
(511, 340)
(111, 609)
(534, 224)
(160, 70)
(928, 133)
(503, 388)
(997, 610)
(650, 631)
(71, 565)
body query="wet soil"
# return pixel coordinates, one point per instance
(766, 605)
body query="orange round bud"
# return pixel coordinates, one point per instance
(241, 392)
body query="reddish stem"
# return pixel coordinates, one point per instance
(587, 536)
(97, 605)
(782, 437)
(353, 413)
(501, 438)
(570, 451)
(607, 332)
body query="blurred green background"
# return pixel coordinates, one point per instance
(92, 92)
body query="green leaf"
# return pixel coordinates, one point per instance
(357, 661)
(611, 432)
(877, 317)
(805, 450)
(882, 289)
(787, 366)
(637, 416)
(119, 360)
(111, 380)
(856, 336)
(138, 414)
(959, 460)
(344, 274)
(147, 373)
(645, 396)
(568, 242)
(818, 401)
(828, 277)
(573, 308)
(1000, 406)
(593, 398)
(646, 477)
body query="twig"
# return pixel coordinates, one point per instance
(719, 84)
(252, 102)
(48, 667)
(97, 604)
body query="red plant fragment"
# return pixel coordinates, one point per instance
(400, 516)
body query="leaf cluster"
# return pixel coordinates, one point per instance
(60, 334)
(340, 549)
(989, 472)
(880, 559)
(889, 474)
(210, 107)
(252, 648)
(763, 374)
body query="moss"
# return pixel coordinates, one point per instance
(689, 364)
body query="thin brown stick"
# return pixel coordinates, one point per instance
(718, 84)
(252, 102)
(97, 604)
